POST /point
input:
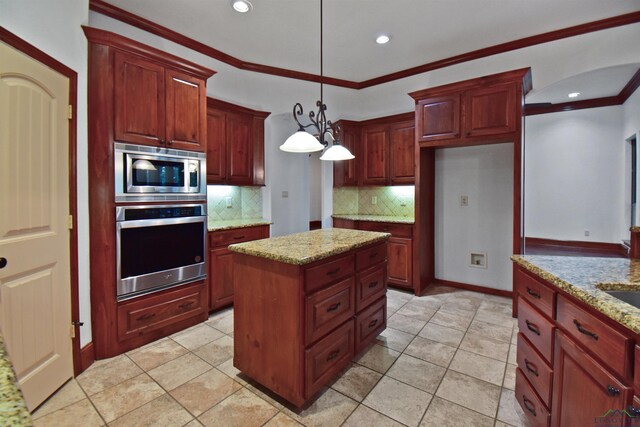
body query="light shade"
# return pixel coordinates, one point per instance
(302, 142)
(337, 152)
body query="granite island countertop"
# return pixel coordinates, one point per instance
(307, 247)
(376, 218)
(13, 409)
(230, 224)
(586, 277)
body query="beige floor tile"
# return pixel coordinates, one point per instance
(81, 414)
(500, 333)
(477, 366)
(221, 313)
(223, 323)
(418, 373)
(228, 369)
(330, 409)
(108, 374)
(442, 413)
(162, 411)
(194, 423)
(470, 392)
(417, 311)
(65, 396)
(197, 336)
(441, 290)
(146, 346)
(513, 353)
(451, 320)
(179, 371)
(501, 424)
(282, 420)
(398, 294)
(394, 339)
(378, 358)
(459, 312)
(496, 318)
(502, 306)
(242, 409)
(216, 352)
(267, 395)
(406, 324)
(485, 346)
(510, 377)
(118, 400)
(204, 391)
(431, 351)
(393, 306)
(510, 411)
(430, 302)
(442, 334)
(357, 382)
(157, 355)
(399, 401)
(364, 416)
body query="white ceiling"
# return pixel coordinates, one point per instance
(285, 33)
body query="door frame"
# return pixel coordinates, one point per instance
(40, 56)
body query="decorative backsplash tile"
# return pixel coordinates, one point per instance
(246, 202)
(392, 201)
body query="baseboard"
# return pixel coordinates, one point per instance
(475, 288)
(87, 356)
(579, 245)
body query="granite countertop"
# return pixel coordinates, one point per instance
(13, 409)
(634, 229)
(310, 246)
(376, 218)
(586, 277)
(229, 224)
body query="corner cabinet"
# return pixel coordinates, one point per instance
(235, 144)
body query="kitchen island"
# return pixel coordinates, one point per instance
(305, 304)
(13, 409)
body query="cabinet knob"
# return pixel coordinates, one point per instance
(170, 142)
(613, 391)
(3, 262)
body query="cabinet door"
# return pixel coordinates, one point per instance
(400, 261)
(216, 146)
(239, 149)
(490, 111)
(374, 148)
(221, 277)
(186, 111)
(584, 392)
(139, 100)
(345, 171)
(439, 118)
(402, 153)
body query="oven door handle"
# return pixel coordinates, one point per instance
(138, 223)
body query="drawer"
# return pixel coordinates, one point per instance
(535, 411)
(537, 293)
(538, 330)
(370, 323)
(370, 286)
(539, 374)
(396, 230)
(146, 314)
(321, 275)
(370, 256)
(329, 308)
(609, 345)
(328, 357)
(237, 235)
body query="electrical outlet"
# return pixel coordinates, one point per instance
(587, 233)
(464, 200)
(478, 259)
(374, 200)
(229, 202)
(403, 201)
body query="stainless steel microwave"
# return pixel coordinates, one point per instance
(145, 173)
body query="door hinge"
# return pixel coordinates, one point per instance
(73, 330)
(70, 112)
(70, 222)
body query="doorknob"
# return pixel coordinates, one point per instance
(3, 262)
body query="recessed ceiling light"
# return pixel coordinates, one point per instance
(574, 94)
(382, 39)
(242, 6)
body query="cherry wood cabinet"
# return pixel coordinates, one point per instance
(345, 172)
(235, 144)
(375, 142)
(401, 152)
(438, 118)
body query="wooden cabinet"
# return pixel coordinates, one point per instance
(158, 105)
(235, 144)
(221, 261)
(345, 172)
(489, 110)
(402, 153)
(439, 118)
(374, 155)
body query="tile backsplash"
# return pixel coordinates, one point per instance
(246, 202)
(393, 201)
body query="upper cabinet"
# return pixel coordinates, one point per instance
(439, 118)
(375, 160)
(345, 172)
(402, 152)
(235, 144)
(156, 104)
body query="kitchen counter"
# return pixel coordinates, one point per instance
(586, 277)
(304, 248)
(229, 224)
(13, 409)
(376, 218)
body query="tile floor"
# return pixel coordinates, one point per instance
(446, 359)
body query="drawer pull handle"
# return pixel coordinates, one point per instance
(332, 272)
(373, 255)
(532, 293)
(531, 367)
(333, 355)
(186, 305)
(333, 307)
(373, 284)
(613, 391)
(529, 405)
(238, 237)
(373, 323)
(587, 332)
(532, 327)
(145, 317)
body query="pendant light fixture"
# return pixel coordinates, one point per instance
(304, 142)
